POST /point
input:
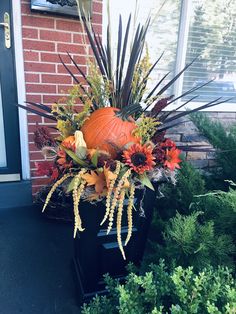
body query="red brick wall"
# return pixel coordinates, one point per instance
(44, 37)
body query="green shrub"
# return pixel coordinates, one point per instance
(189, 242)
(183, 236)
(178, 197)
(220, 207)
(160, 291)
(225, 143)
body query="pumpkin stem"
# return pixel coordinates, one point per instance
(127, 111)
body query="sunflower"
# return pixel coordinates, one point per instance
(172, 158)
(139, 158)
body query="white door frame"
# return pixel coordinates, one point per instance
(20, 81)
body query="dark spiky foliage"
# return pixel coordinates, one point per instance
(124, 86)
(123, 94)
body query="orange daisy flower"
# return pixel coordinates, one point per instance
(62, 157)
(62, 161)
(97, 179)
(139, 158)
(172, 158)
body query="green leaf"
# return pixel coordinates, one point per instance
(70, 186)
(146, 182)
(74, 157)
(94, 159)
(81, 152)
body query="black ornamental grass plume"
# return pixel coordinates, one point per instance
(131, 100)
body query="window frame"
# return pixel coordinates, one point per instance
(181, 52)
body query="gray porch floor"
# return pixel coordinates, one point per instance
(36, 275)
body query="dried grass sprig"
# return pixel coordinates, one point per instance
(76, 194)
(116, 197)
(109, 192)
(129, 213)
(118, 222)
(54, 187)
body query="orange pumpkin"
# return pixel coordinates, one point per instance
(105, 130)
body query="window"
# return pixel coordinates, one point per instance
(184, 30)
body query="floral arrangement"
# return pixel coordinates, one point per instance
(114, 145)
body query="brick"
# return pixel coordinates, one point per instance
(33, 118)
(71, 48)
(211, 155)
(38, 45)
(196, 155)
(40, 88)
(203, 143)
(185, 128)
(56, 79)
(40, 181)
(32, 78)
(38, 22)
(35, 155)
(194, 137)
(174, 137)
(31, 56)
(64, 89)
(226, 115)
(55, 36)
(81, 61)
(97, 7)
(227, 123)
(69, 26)
(49, 99)
(49, 57)
(97, 18)
(199, 163)
(212, 163)
(61, 69)
(80, 38)
(32, 148)
(25, 8)
(39, 67)
(32, 163)
(31, 137)
(97, 28)
(32, 128)
(33, 98)
(30, 33)
(212, 114)
(50, 123)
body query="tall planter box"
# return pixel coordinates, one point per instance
(97, 253)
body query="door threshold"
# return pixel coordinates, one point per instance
(15, 194)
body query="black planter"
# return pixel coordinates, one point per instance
(97, 253)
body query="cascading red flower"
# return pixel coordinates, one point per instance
(139, 158)
(168, 143)
(42, 138)
(172, 158)
(46, 168)
(160, 154)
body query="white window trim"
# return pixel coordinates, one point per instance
(183, 31)
(186, 7)
(20, 81)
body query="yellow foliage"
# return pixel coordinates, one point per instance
(146, 128)
(65, 128)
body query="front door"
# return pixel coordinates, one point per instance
(10, 163)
